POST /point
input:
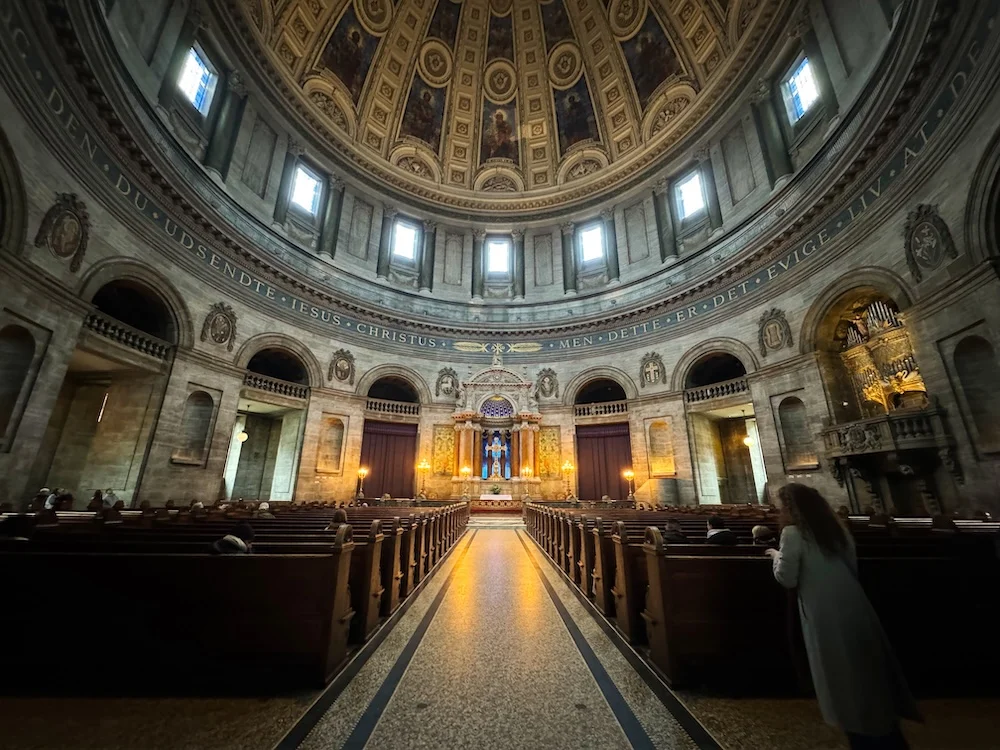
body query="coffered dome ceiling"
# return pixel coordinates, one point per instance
(506, 105)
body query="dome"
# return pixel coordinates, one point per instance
(492, 109)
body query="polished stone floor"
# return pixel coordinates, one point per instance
(497, 651)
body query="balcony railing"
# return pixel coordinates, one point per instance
(895, 431)
(399, 408)
(601, 410)
(724, 389)
(126, 335)
(276, 386)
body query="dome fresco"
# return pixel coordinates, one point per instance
(502, 106)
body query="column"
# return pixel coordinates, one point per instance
(185, 39)
(517, 240)
(463, 446)
(331, 217)
(219, 153)
(292, 153)
(426, 277)
(476, 452)
(385, 243)
(529, 454)
(664, 222)
(704, 158)
(568, 258)
(515, 453)
(478, 279)
(765, 120)
(611, 244)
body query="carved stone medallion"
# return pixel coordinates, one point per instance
(651, 369)
(220, 326)
(342, 367)
(548, 383)
(447, 382)
(773, 331)
(435, 62)
(565, 65)
(65, 229)
(500, 81)
(928, 241)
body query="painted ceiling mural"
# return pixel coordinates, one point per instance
(509, 104)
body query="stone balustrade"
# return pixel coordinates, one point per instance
(724, 389)
(110, 328)
(601, 410)
(895, 431)
(399, 408)
(276, 386)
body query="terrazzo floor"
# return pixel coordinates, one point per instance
(496, 651)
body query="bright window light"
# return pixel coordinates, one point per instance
(690, 196)
(404, 241)
(197, 81)
(592, 243)
(498, 256)
(306, 189)
(802, 89)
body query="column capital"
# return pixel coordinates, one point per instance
(389, 212)
(661, 186)
(479, 234)
(236, 83)
(517, 234)
(429, 225)
(702, 154)
(332, 181)
(567, 228)
(607, 214)
(294, 147)
(761, 92)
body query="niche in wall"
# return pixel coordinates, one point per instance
(978, 373)
(22, 346)
(197, 424)
(798, 448)
(330, 448)
(660, 447)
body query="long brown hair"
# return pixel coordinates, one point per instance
(805, 508)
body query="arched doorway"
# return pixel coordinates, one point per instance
(389, 441)
(729, 462)
(17, 352)
(101, 425)
(603, 449)
(266, 442)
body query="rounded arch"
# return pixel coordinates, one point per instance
(125, 269)
(982, 208)
(285, 343)
(874, 278)
(737, 349)
(598, 373)
(495, 405)
(13, 210)
(366, 381)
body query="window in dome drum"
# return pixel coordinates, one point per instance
(306, 190)
(197, 80)
(802, 90)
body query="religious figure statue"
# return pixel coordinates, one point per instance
(496, 450)
(498, 355)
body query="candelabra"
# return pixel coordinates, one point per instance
(466, 472)
(630, 476)
(423, 467)
(362, 473)
(567, 469)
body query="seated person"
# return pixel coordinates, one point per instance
(264, 511)
(763, 536)
(719, 534)
(843, 512)
(339, 517)
(96, 502)
(673, 533)
(239, 541)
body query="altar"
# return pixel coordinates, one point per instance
(492, 496)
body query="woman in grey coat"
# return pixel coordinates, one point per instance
(858, 682)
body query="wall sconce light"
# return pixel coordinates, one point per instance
(526, 472)
(362, 473)
(423, 467)
(747, 441)
(567, 469)
(630, 477)
(243, 437)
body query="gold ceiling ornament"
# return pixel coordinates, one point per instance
(482, 347)
(630, 77)
(565, 65)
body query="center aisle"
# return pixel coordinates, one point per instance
(496, 652)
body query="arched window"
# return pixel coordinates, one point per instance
(138, 306)
(196, 428)
(800, 451)
(17, 350)
(600, 391)
(716, 367)
(392, 388)
(279, 364)
(978, 374)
